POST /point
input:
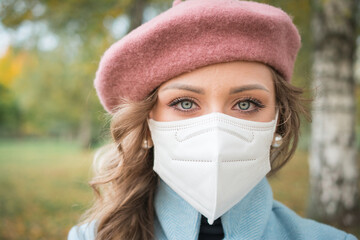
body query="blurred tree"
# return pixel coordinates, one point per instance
(136, 12)
(9, 112)
(333, 168)
(55, 91)
(11, 65)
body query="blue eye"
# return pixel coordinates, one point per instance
(183, 104)
(248, 105)
(244, 105)
(186, 104)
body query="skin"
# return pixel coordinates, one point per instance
(240, 89)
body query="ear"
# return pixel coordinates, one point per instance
(150, 116)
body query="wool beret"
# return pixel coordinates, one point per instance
(193, 34)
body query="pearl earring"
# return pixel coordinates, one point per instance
(147, 144)
(277, 141)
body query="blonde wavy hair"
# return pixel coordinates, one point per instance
(125, 183)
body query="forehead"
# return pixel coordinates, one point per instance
(226, 75)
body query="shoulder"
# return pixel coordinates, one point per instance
(85, 231)
(286, 223)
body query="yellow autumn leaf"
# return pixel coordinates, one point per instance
(11, 65)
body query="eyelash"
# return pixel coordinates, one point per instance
(256, 102)
(176, 101)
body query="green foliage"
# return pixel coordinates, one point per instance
(55, 89)
(10, 116)
(56, 94)
(82, 17)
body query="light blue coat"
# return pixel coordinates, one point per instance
(257, 216)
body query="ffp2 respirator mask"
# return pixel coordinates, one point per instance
(212, 161)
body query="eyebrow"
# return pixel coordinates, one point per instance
(201, 90)
(247, 88)
(185, 87)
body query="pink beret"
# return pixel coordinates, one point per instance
(190, 35)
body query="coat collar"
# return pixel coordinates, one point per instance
(176, 219)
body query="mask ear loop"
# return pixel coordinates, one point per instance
(277, 141)
(276, 118)
(147, 142)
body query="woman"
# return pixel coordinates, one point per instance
(203, 110)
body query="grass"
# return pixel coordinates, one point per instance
(290, 185)
(43, 187)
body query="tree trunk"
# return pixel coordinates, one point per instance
(333, 167)
(84, 134)
(136, 12)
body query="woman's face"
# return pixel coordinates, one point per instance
(240, 89)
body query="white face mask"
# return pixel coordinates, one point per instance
(212, 161)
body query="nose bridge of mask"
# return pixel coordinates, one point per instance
(218, 132)
(209, 134)
(216, 125)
